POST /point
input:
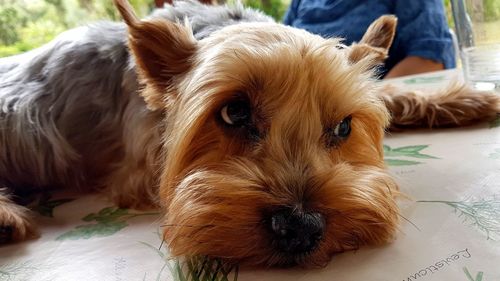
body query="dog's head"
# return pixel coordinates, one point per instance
(274, 140)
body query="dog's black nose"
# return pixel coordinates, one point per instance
(297, 232)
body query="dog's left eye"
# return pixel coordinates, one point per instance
(338, 133)
(343, 129)
(236, 113)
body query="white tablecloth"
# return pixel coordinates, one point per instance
(451, 231)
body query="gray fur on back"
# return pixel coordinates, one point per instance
(206, 19)
(63, 106)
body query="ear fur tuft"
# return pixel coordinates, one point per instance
(376, 41)
(162, 51)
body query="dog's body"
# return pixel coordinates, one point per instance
(75, 100)
(71, 116)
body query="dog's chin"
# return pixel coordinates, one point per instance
(316, 257)
(311, 259)
(276, 259)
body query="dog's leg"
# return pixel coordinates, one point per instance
(456, 105)
(134, 181)
(133, 187)
(15, 221)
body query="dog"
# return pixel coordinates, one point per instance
(261, 143)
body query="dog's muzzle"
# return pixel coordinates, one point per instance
(296, 232)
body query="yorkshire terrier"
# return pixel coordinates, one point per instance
(261, 143)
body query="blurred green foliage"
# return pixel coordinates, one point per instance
(492, 10)
(274, 8)
(27, 24)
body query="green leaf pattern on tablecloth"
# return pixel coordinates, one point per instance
(108, 221)
(495, 154)
(483, 214)
(479, 275)
(393, 155)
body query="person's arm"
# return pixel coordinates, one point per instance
(413, 65)
(423, 41)
(291, 13)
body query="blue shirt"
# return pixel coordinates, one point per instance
(422, 29)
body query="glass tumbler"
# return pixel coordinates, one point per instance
(477, 27)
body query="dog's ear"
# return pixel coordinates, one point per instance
(376, 41)
(162, 52)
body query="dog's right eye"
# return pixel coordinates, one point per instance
(338, 133)
(236, 113)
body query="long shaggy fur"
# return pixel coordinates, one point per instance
(17, 225)
(452, 106)
(71, 96)
(71, 115)
(135, 110)
(66, 110)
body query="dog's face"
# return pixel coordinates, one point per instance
(274, 142)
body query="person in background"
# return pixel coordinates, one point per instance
(423, 41)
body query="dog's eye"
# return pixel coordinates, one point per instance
(343, 129)
(236, 113)
(338, 133)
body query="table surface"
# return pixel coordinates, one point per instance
(451, 231)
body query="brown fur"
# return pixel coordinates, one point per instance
(455, 105)
(218, 184)
(164, 49)
(21, 225)
(376, 42)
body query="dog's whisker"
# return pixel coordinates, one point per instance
(186, 225)
(409, 221)
(161, 244)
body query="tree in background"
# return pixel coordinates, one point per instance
(27, 24)
(274, 8)
(491, 9)
(483, 10)
(9, 18)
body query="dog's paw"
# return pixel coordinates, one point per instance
(132, 197)
(15, 224)
(141, 204)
